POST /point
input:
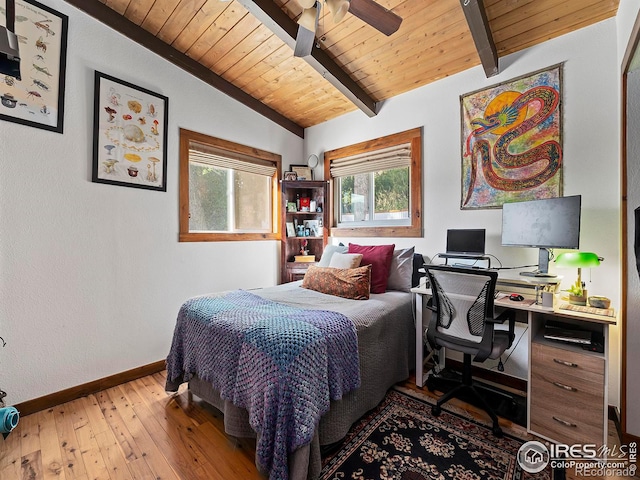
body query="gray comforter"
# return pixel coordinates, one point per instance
(386, 344)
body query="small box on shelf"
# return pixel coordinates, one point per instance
(304, 258)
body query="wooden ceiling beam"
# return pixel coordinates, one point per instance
(476, 17)
(121, 24)
(272, 16)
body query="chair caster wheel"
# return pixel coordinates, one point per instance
(430, 386)
(436, 410)
(497, 431)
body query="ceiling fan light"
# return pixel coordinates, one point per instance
(306, 3)
(308, 18)
(338, 8)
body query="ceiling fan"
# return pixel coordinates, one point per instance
(368, 11)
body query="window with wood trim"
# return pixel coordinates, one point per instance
(377, 187)
(228, 191)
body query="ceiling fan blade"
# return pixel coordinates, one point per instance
(376, 15)
(304, 42)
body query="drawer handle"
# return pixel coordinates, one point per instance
(564, 422)
(565, 387)
(565, 363)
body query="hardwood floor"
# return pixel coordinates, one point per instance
(136, 431)
(132, 431)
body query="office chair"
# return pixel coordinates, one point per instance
(463, 320)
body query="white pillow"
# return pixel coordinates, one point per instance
(328, 252)
(345, 260)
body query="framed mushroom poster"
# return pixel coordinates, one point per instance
(129, 135)
(35, 97)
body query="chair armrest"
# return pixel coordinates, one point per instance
(487, 340)
(430, 305)
(506, 315)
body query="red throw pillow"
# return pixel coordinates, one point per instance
(379, 257)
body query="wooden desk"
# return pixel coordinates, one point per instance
(567, 386)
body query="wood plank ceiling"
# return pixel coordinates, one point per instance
(433, 42)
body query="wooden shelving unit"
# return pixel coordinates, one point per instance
(317, 193)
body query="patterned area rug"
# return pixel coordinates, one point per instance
(402, 440)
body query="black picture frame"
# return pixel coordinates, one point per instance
(128, 147)
(37, 99)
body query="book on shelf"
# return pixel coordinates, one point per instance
(304, 258)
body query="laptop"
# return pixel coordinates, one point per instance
(465, 242)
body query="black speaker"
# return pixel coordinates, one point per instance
(9, 54)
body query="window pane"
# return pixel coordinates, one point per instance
(354, 198)
(208, 200)
(388, 190)
(392, 194)
(252, 202)
(229, 192)
(211, 189)
(393, 204)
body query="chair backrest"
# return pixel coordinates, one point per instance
(463, 299)
(418, 269)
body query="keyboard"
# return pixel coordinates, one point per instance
(538, 274)
(567, 335)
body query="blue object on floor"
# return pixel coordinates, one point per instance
(9, 417)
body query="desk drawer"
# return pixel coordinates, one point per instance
(567, 395)
(566, 416)
(555, 426)
(579, 371)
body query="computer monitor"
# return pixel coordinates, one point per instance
(543, 224)
(466, 242)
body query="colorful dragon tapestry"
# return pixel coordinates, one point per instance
(511, 141)
(282, 364)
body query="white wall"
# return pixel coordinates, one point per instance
(91, 275)
(591, 153)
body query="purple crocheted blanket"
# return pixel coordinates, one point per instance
(282, 364)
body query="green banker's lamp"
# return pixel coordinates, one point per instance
(579, 260)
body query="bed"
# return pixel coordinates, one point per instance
(384, 332)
